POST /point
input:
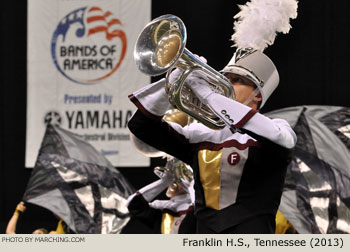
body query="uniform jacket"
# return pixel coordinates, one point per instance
(239, 170)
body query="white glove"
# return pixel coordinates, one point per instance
(199, 86)
(150, 191)
(201, 58)
(188, 187)
(175, 74)
(165, 176)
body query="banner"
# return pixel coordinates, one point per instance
(81, 71)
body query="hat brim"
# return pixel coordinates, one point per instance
(247, 74)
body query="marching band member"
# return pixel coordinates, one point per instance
(166, 216)
(239, 170)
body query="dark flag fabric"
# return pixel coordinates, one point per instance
(78, 184)
(316, 197)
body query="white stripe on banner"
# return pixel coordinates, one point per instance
(81, 71)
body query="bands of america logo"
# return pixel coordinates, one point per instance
(88, 45)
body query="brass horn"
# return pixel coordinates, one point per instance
(160, 47)
(178, 169)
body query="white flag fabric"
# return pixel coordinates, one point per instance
(81, 71)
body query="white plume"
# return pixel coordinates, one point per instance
(259, 21)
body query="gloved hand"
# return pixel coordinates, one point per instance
(199, 86)
(185, 184)
(150, 191)
(188, 187)
(165, 176)
(197, 83)
(204, 60)
(175, 74)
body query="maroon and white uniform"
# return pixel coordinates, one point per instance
(170, 216)
(238, 171)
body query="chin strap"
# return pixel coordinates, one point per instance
(251, 97)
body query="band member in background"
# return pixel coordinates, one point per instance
(20, 209)
(171, 216)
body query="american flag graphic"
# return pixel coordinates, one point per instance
(99, 21)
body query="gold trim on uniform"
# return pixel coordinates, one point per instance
(209, 170)
(167, 223)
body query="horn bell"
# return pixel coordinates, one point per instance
(160, 45)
